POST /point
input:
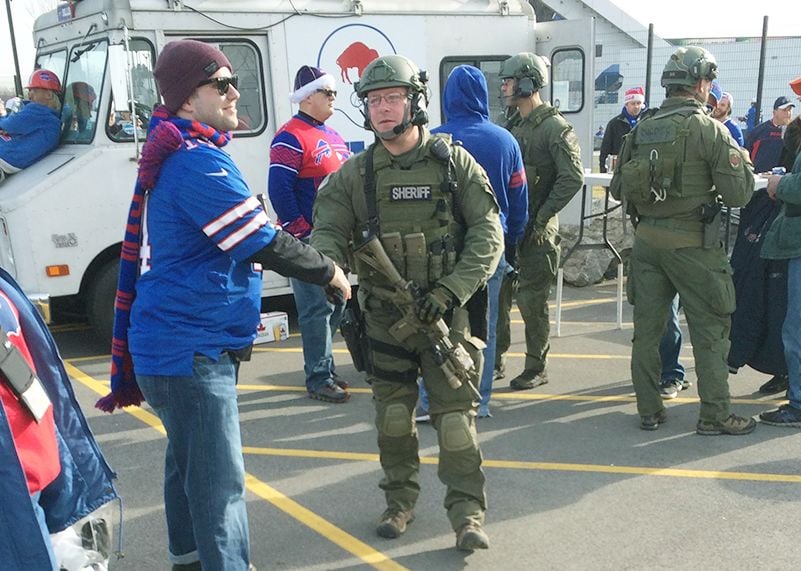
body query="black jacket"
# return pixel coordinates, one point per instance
(617, 128)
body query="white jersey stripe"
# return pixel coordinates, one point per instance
(288, 146)
(231, 215)
(243, 233)
(280, 166)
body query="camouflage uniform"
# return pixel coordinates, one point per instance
(672, 190)
(552, 160)
(468, 221)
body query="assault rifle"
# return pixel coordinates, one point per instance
(452, 359)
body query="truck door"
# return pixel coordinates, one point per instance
(570, 45)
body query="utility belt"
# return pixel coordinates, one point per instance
(22, 378)
(360, 347)
(673, 224)
(704, 233)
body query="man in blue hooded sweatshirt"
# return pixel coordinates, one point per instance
(466, 108)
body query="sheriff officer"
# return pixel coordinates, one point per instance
(433, 208)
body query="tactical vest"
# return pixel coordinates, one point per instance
(537, 193)
(654, 163)
(415, 215)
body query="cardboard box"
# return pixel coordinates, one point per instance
(274, 326)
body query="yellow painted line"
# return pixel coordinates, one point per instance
(584, 302)
(334, 534)
(102, 388)
(106, 357)
(66, 327)
(523, 396)
(349, 543)
(546, 466)
(646, 471)
(378, 559)
(509, 354)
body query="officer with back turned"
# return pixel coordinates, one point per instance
(433, 209)
(674, 169)
(552, 160)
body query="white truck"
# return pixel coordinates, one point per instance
(62, 219)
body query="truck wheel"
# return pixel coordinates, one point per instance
(100, 301)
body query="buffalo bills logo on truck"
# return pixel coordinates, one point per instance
(351, 48)
(357, 55)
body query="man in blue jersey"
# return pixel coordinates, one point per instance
(466, 106)
(303, 152)
(186, 321)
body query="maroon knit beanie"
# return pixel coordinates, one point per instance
(182, 65)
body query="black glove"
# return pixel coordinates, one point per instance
(434, 305)
(510, 253)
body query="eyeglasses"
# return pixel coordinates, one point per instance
(392, 99)
(328, 92)
(221, 84)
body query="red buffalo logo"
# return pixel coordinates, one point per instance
(357, 55)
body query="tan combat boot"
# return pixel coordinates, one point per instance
(733, 425)
(471, 537)
(393, 522)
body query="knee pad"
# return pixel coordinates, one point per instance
(456, 432)
(396, 421)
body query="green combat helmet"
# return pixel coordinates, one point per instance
(395, 71)
(530, 71)
(689, 65)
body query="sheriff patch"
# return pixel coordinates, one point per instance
(735, 158)
(397, 193)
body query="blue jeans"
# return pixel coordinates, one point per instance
(493, 299)
(494, 295)
(204, 472)
(318, 320)
(791, 333)
(670, 346)
(40, 518)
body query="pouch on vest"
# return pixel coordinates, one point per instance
(416, 258)
(393, 244)
(657, 169)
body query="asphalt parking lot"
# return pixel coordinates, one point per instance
(573, 483)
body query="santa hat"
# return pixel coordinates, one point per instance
(634, 94)
(308, 80)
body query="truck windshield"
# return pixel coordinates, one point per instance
(121, 124)
(82, 88)
(55, 62)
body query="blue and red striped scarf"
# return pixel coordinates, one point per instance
(167, 134)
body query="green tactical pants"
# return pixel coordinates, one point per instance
(538, 265)
(702, 278)
(453, 414)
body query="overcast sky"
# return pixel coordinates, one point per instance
(671, 19)
(710, 19)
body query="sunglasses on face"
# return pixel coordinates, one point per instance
(328, 92)
(221, 84)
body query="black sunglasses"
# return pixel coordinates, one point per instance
(328, 92)
(221, 84)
